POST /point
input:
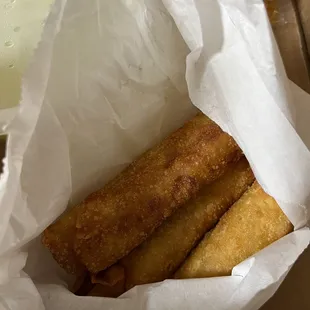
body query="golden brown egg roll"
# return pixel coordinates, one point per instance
(109, 284)
(252, 223)
(158, 257)
(161, 254)
(58, 238)
(114, 220)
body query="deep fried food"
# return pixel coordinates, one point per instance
(161, 254)
(109, 283)
(114, 220)
(252, 223)
(158, 257)
(140, 198)
(58, 238)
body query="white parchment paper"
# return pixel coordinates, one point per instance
(109, 80)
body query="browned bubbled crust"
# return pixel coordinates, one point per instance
(158, 257)
(114, 220)
(252, 223)
(58, 238)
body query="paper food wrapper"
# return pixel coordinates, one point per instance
(110, 79)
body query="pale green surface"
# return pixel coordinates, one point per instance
(21, 23)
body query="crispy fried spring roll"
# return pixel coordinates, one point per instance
(252, 223)
(161, 254)
(110, 284)
(58, 238)
(158, 257)
(114, 220)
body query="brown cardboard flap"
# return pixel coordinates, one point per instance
(287, 28)
(304, 12)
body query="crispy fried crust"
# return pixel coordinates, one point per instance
(161, 254)
(58, 238)
(252, 223)
(114, 220)
(158, 182)
(109, 283)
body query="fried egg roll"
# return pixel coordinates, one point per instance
(251, 224)
(110, 284)
(158, 257)
(114, 220)
(58, 238)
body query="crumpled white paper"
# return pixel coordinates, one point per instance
(107, 82)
